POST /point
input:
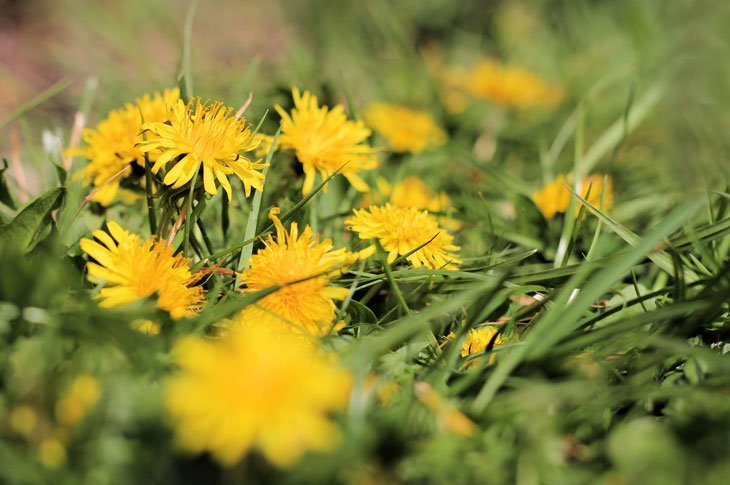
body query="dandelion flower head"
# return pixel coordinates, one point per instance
(210, 135)
(81, 396)
(308, 305)
(255, 389)
(401, 230)
(131, 269)
(554, 197)
(405, 129)
(112, 146)
(324, 140)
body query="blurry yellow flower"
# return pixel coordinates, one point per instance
(210, 135)
(514, 87)
(22, 419)
(412, 192)
(307, 305)
(450, 419)
(509, 86)
(401, 230)
(132, 269)
(112, 145)
(147, 327)
(325, 140)
(554, 197)
(52, 453)
(405, 129)
(81, 396)
(256, 388)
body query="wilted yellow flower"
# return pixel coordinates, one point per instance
(255, 388)
(554, 197)
(307, 305)
(405, 129)
(81, 396)
(112, 145)
(401, 230)
(210, 135)
(325, 140)
(132, 269)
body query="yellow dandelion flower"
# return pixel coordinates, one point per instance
(405, 129)
(510, 86)
(401, 230)
(22, 419)
(132, 269)
(325, 140)
(210, 135)
(111, 147)
(255, 388)
(52, 453)
(307, 305)
(554, 197)
(478, 339)
(80, 397)
(412, 192)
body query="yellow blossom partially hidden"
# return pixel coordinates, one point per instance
(52, 453)
(255, 388)
(405, 129)
(307, 306)
(210, 135)
(450, 419)
(112, 147)
(131, 269)
(81, 396)
(22, 419)
(554, 197)
(478, 339)
(325, 140)
(147, 327)
(401, 230)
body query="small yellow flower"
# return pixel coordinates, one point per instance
(478, 339)
(449, 418)
(112, 146)
(401, 230)
(22, 419)
(81, 396)
(508, 86)
(52, 453)
(325, 140)
(554, 197)
(405, 129)
(307, 305)
(255, 388)
(210, 135)
(132, 269)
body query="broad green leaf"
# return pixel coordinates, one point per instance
(22, 230)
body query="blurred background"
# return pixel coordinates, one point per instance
(604, 53)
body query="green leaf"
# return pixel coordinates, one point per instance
(22, 230)
(5, 196)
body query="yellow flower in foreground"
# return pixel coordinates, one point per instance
(307, 305)
(112, 145)
(204, 134)
(478, 339)
(554, 197)
(132, 269)
(325, 140)
(401, 230)
(81, 396)
(255, 388)
(405, 129)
